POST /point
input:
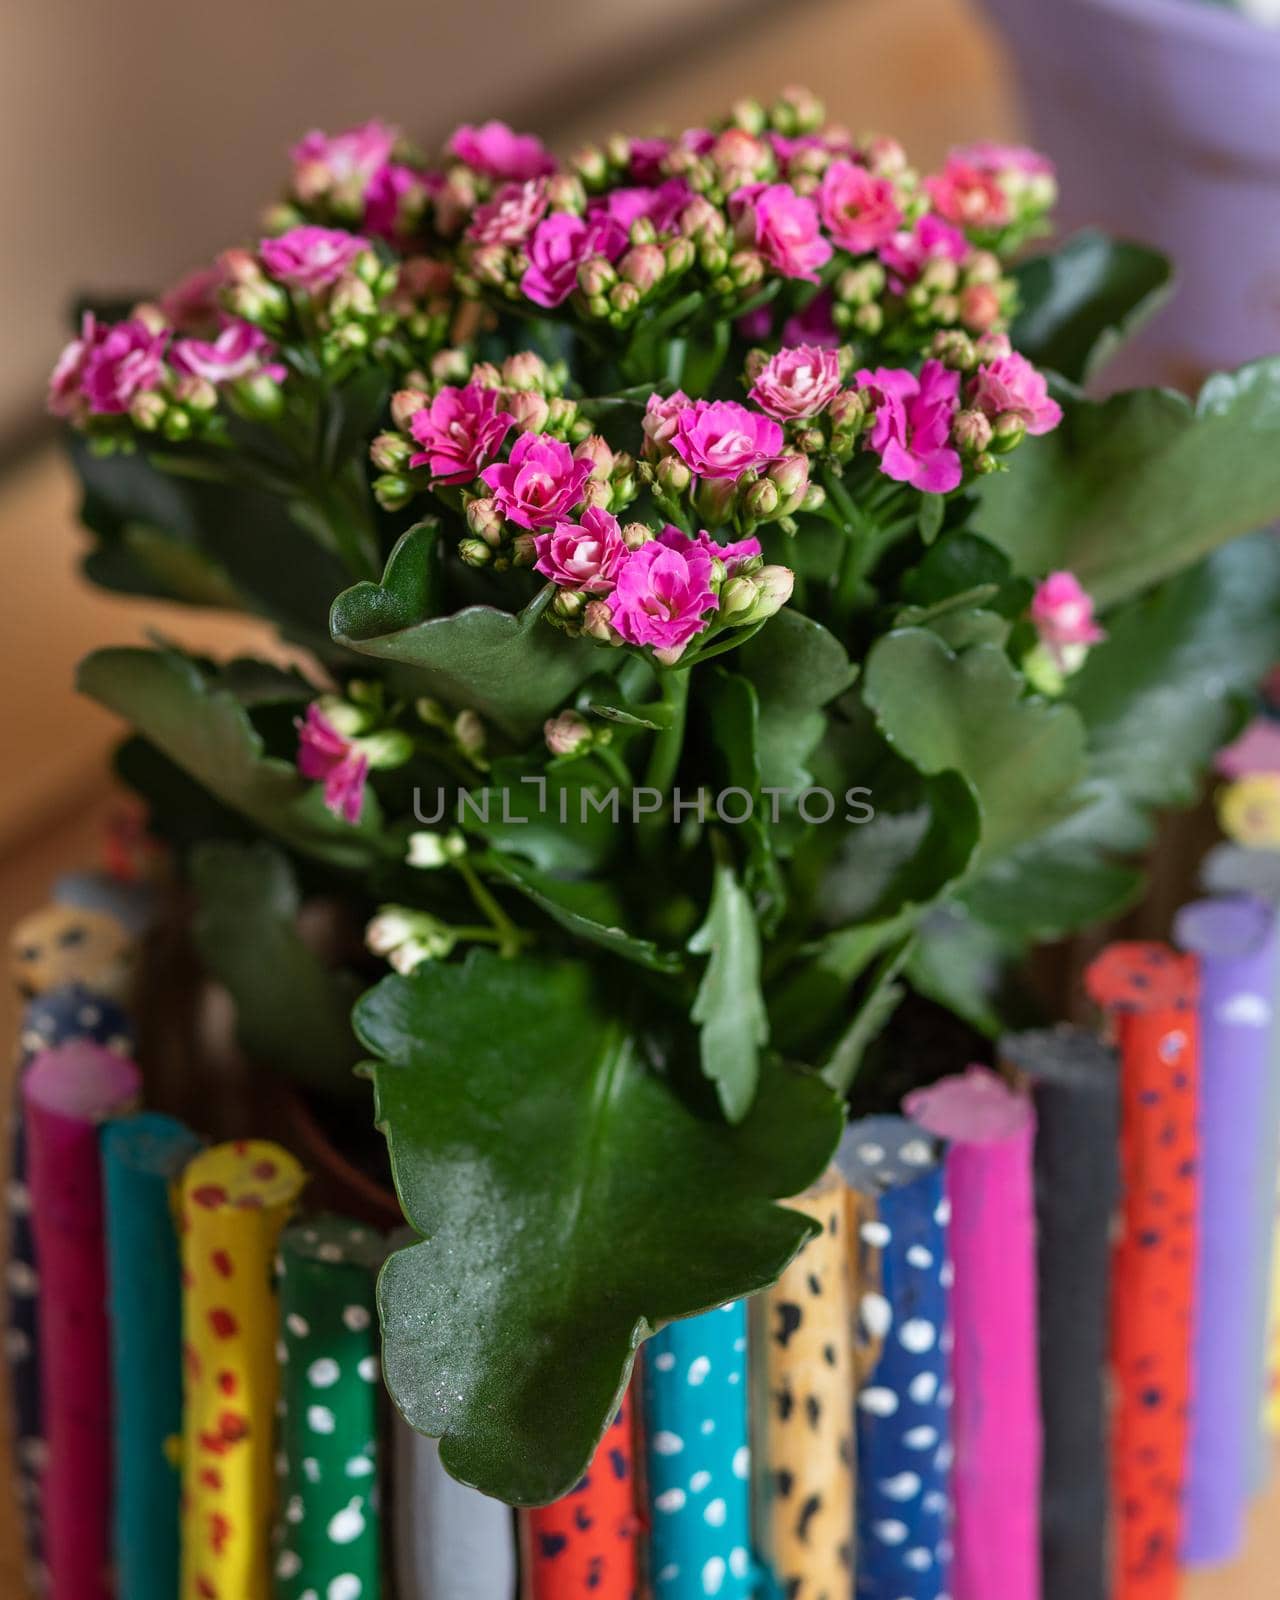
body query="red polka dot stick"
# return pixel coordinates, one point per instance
(585, 1543)
(1149, 993)
(235, 1199)
(67, 1093)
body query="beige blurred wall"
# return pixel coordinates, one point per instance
(139, 136)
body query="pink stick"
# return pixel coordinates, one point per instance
(996, 1425)
(67, 1093)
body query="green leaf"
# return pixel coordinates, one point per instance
(729, 1008)
(570, 1203)
(203, 729)
(797, 668)
(966, 713)
(1133, 489)
(292, 1013)
(963, 964)
(563, 819)
(962, 567)
(512, 669)
(1158, 698)
(933, 508)
(590, 910)
(1079, 303)
(882, 998)
(733, 710)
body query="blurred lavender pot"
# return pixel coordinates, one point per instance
(1164, 119)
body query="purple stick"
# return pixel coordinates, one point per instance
(1234, 937)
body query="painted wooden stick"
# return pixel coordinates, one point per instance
(67, 1093)
(1075, 1083)
(329, 1460)
(996, 1418)
(142, 1158)
(904, 1402)
(1232, 869)
(802, 1409)
(236, 1198)
(699, 1458)
(451, 1542)
(586, 1543)
(51, 1019)
(1234, 937)
(1149, 994)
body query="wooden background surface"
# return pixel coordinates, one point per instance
(925, 70)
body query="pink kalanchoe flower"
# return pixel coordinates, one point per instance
(460, 431)
(1062, 612)
(540, 484)
(646, 158)
(511, 216)
(783, 226)
(310, 258)
(586, 555)
(559, 246)
(120, 363)
(324, 756)
(968, 195)
(392, 197)
(721, 439)
(498, 151)
(66, 382)
(662, 204)
(239, 351)
(800, 381)
(911, 432)
(1011, 385)
(323, 161)
(730, 556)
(664, 593)
(931, 239)
(813, 325)
(989, 156)
(859, 210)
(192, 305)
(661, 414)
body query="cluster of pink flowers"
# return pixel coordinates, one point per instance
(108, 367)
(659, 591)
(356, 174)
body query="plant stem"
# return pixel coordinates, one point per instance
(504, 932)
(669, 743)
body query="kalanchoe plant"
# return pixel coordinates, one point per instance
(727, 619)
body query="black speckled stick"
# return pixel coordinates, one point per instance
(1075, 1084)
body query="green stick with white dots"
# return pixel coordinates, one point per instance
(329, 1534)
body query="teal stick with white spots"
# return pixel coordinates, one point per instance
(329, 1466)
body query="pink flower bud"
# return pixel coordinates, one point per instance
(597, 452)
(634, 534)
(529, 411)
(596, 276)
(485, 519)
(760, 501)
(790, 475)
(524, 370)
(564, 192)
(567, 734)
(1062, 612)
(405, 405)
(971, 431)
(597, 622)
(673, 476)
(979, 306)
(644, 265)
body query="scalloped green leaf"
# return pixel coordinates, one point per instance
(292, 1012)
(1080, 302)
(203, 729)
(966, 713)
(514, 669)
(570, 1203)
(1131, 490)
(728, 1007)
(798, 667)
